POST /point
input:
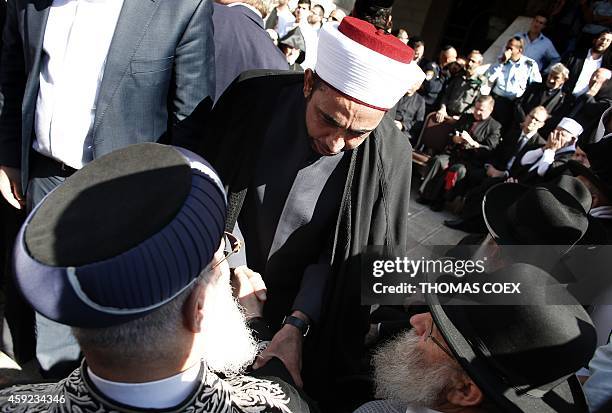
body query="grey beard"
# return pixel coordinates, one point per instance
(403, 373)
(228, 344)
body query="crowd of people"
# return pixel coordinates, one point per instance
(187, 207)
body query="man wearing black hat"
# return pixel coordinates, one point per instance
(489, 358)
(148, 295)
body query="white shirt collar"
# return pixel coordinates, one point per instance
(603, 212)
(160, 394)
(248, 6)
(600, 134)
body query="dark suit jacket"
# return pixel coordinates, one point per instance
(2, 18)
(487, 133)
(508, 148)
(158, 69)
(574, 64)
(241, 44)
(536, 95)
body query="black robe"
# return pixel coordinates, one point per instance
(372, 211)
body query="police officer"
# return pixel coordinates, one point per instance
(510, 77)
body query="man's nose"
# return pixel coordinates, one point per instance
(338, 141)
(419, 322)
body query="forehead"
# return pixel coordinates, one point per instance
(340, 107)
(514, 43)
(605, 36)
(540, 19)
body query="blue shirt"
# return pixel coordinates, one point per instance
(541, 50)
(510, 79)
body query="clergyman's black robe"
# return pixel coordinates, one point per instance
(372, 211)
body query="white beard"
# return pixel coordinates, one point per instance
(228, 345)
(403, 373)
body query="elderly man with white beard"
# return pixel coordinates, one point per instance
(470, 354)
(147, 291)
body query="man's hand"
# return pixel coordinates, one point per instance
(10, 186)
(287, 346)
(457, 138)
(594, 88)
(506, 56)
(494, 172)
(469, 141)
(441, 115)
(555, 141)
(399, 124)
(250, 290)
(511, 181)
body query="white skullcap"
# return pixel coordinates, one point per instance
(571, 126)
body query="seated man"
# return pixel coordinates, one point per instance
(476, 135)
(410, 113)
(474, 358)
(130, 253)
(534, 166)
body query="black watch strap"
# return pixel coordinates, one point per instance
(298, 323)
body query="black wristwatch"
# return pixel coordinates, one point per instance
(298, 323)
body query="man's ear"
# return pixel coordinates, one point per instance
(464, 392)
(308, 82)
(193, 309)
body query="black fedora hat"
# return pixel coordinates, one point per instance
(598, 177)
(554, 213)
(522, 357)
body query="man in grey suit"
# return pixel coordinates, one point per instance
(81, 78)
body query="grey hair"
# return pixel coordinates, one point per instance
(142, 339)
(560, 68)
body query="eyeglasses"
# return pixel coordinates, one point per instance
(438, 342)
(235, 245)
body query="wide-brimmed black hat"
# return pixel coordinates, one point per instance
(602, 179)
(121, 237)
(554, 213)
(522, 357)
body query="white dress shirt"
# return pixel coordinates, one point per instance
(75, 46)
(541, 158)
(588, 68)
(160, 394)
(523, 139)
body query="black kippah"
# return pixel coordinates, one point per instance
(373, 4)
(100, 214)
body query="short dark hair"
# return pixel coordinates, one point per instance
(486, 100)
(379, 16)
(601, 33)
(416, 41)
(305, 2)
(319, 6)
(542, 13)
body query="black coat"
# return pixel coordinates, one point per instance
(487, 133)
(372, 212)
(241, 43)
(574, 64)
(536, 95)
(508, 147)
